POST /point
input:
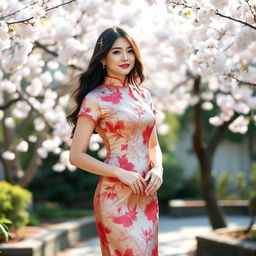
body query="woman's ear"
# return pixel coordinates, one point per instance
(103, 62)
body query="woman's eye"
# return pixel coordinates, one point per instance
(116, 52)
(131, 51)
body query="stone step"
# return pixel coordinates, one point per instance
(53, 239)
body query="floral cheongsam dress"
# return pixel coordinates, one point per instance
(124, 118)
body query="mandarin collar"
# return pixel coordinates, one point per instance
(115, 81)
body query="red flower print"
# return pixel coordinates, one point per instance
(116, 129)
(126, 219)
(88, 110)
(113, 179)
(103, 231)
(146, 134)
(124, 147)
(143, 95)
(148, 236)
(128, 252)
(123, 163)
(155, 251)
(132, 95)
(110, 192)
(114, 97)
(151, 211)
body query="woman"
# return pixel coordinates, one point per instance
(110, 102)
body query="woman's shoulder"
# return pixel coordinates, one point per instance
(144, 91)
(95, 91)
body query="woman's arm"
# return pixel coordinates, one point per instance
(82, 160)
(156, 158)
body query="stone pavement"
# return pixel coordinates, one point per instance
(176, 236)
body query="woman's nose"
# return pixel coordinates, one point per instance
(124, 56)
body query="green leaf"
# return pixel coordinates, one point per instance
(4, 220)
(4, 232)
(6, 228)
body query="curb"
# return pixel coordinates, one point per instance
(187, 208)
(50, 241)
(213, 244)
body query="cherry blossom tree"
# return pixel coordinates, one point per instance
(220, 63)
(196, 54)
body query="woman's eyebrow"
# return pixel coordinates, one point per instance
(120, 48)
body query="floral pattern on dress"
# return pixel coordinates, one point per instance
(124, 117)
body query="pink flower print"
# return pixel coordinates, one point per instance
(125, 164)
(146, 134)
(128, 252)
(116, 129)
(103, 231)
(110, 193)
(151, 211)
(147, 235)
(126, 219)
(155, 251)
(114, 97)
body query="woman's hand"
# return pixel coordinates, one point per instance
(156, 180)
(134, 180)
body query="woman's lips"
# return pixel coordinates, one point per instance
(125, 65)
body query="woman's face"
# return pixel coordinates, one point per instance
(120, 59)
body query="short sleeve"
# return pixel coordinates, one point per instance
(90, 107)
(150, 102)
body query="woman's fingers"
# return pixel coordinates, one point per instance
(154, 184)
(138, 185)
(154, 188)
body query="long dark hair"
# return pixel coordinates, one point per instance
(95, 73)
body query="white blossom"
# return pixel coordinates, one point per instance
(94, 146)
(59, 167)
(8, 155)
(239, 125)
(32, 138)
(42, 152)
(39, 124)
(207, 105)
(163, 129)
(5, 42)
(22, 146)
(9, 122)
(35, 88)
(219, 4)
(216, 121)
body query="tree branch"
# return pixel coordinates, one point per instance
(218, 14)
(197, 137)
(240, 82)
(49, 9)
(39, 45)
(57, 6)
(216, 135)
(8, 104)
(24, 122)
(234, 19)
(11, 14)
(35, 162)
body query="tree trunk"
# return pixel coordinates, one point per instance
(205, 153)
(214, 211)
